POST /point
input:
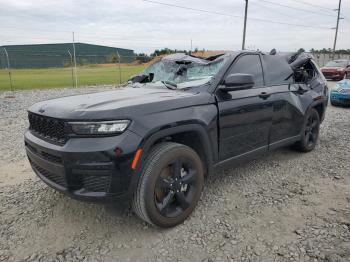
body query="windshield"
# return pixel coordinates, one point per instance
(184, 73)
(337, 64)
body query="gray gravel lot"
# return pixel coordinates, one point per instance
(284, 206)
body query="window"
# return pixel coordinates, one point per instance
(249, 64)
(278, 71)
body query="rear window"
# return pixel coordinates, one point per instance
(277, 70)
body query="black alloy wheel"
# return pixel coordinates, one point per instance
(176, 187)
(310, 132)
(170, 185)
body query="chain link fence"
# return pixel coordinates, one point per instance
(88, 70)
(323, 58)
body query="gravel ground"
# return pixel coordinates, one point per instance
(284, 206)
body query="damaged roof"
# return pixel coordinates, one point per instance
(181, 58)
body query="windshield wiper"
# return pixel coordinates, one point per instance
(169, 85)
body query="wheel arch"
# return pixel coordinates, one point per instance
(192, 135)
(320, 108)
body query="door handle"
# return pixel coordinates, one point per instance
(264, 95)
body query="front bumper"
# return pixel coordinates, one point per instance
(86, 168)
(339, 98)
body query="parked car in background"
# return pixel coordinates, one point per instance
(155, 140)
(336, 69)
(340, 93)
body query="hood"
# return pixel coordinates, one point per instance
(117, 104)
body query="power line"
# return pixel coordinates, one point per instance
(313, 5)
(295, 8)
(235, 16)
(275, 11)
(193, 9)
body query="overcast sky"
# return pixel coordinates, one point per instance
(145, 26)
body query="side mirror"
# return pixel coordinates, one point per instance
(237, 82)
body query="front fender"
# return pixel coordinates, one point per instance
(207, 142)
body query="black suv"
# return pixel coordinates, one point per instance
(155, 140)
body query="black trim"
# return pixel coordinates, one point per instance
(284, 142)
(240, 158)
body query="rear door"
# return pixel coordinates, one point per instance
(285, 95)
(245, 116)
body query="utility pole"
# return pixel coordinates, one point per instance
(75, 63)
(336, 29)
(191, 47)
(245, 24)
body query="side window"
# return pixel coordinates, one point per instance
(277, 70)
(249, 64)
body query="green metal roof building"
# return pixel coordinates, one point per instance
(60, 55)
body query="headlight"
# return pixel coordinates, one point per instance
(340, 69)
(99, 128)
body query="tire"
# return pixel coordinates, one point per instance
(170, 185)
(310, 132)
(333, 103)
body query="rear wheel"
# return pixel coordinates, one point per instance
(310, 132)
(170, 185)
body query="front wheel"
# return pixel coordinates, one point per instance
(170, 185)
(309, 135)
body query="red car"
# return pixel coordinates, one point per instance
(336, 69)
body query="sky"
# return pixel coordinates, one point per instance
(144, 26)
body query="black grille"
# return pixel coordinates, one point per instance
(43, 154)
(96, 183)
(48, 128)
(51, 158)
(58, 179)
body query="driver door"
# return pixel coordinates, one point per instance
(245, 116)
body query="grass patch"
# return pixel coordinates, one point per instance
(24, 79)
